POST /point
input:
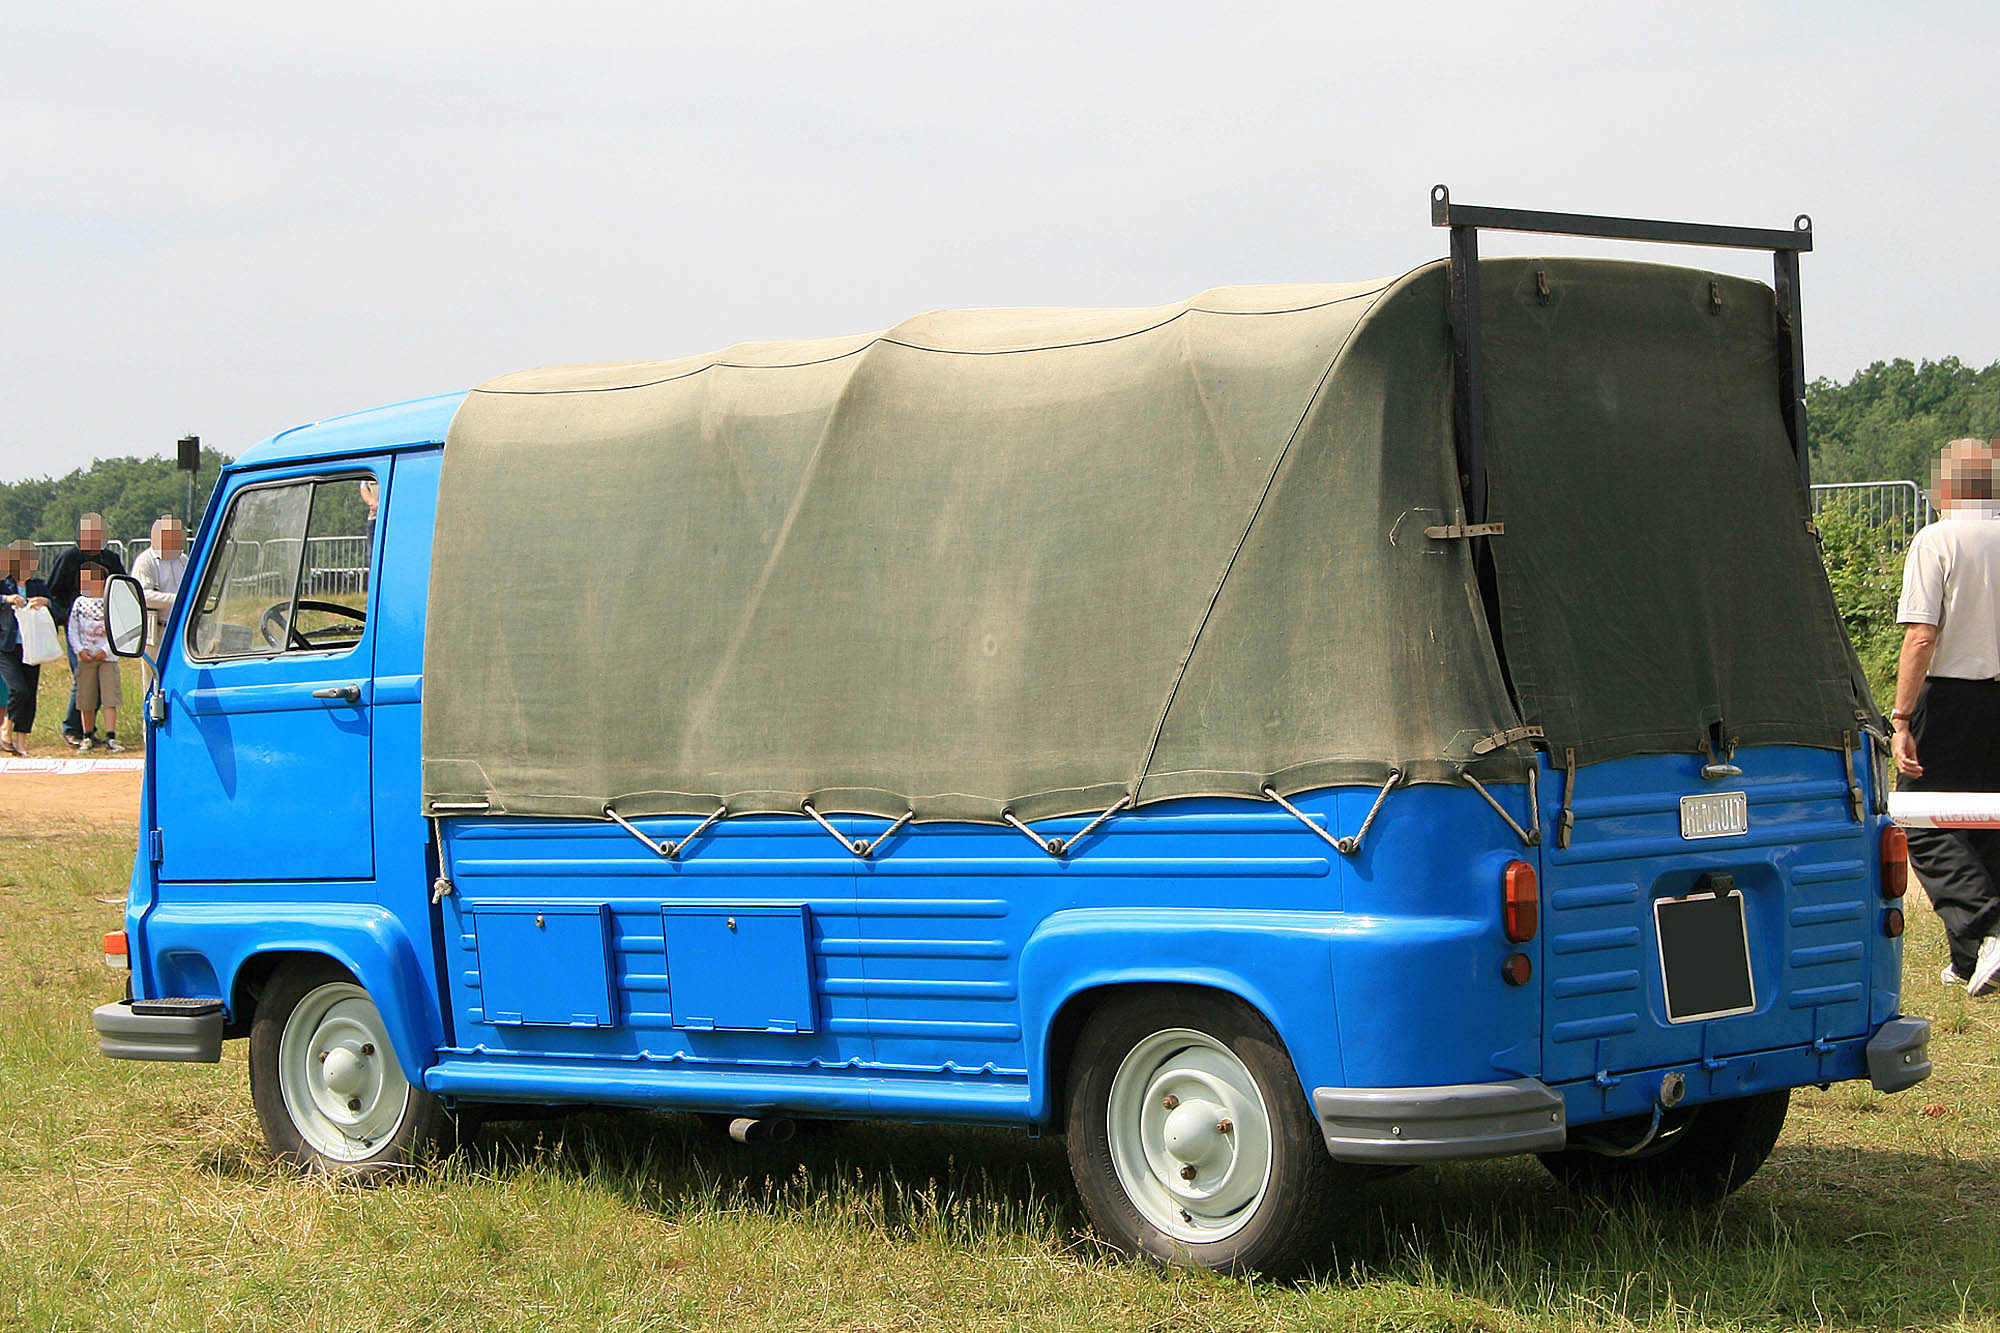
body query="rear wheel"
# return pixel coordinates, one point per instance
(325, 1080)
(1707, 1158)
(1191, 1140)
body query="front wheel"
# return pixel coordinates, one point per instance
(1191, 1140)
(325, 1081)
(1703, 1160)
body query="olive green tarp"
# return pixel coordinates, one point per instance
(1037, 561)
(1661, 590)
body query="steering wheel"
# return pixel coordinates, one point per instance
(281, 632)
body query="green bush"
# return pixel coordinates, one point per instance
(1864, 562)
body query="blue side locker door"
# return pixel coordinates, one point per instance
(263, 764)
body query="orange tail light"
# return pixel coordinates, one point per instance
(115, 952)
(1895, 861)
(1521, 902)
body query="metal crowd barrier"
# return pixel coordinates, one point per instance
(1902, 507)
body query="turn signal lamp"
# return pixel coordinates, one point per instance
(115, 953)
(1895, 861)
(1521, 902)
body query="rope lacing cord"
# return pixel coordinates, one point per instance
(1528, 838)
(1345, 846)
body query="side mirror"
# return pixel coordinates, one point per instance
(125, 616)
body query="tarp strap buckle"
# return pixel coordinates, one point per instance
(1488, 744)
(1449, 531)
(1345, 846)
(668, 850)
(1848, 740)
(1566, 821)
(1528, 837)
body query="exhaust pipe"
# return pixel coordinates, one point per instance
(767, 1129)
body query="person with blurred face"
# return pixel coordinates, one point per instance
(160, 569)
(97, 682)
(89, 548)
(1946, 717)
(19, 590)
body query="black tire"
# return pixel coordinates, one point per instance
(1209, 1052)
(1704, 1160)
(353, 1116)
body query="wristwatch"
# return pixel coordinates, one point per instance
(1898, 715)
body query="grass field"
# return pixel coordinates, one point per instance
(139, 1196)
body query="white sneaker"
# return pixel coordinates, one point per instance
(1987, 967)
(1950, 977)
(83, 746)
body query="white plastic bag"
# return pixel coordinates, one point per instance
(38, 635)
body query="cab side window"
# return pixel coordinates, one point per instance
(289, 574)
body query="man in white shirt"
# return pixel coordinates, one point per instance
(160, 569)
(1947, 712)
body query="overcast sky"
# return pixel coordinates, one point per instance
(230, 218)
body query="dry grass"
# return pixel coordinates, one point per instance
(139, 1196)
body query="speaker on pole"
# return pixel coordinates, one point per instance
(190, 463)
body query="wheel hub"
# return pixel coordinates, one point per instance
(344, 1071)
(1190, 1132)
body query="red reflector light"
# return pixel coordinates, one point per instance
(115, 952)
(1892, 922)
(1895, 861)
(1517, 969)
(1521, 902)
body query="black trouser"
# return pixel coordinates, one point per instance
(22, 682)
(73, 720)
(1956, 725)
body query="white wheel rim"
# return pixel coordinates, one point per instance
(343, 1088)
(1190, 1136)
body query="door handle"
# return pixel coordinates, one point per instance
(350, 693)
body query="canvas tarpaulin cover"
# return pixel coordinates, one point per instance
(1026, 560)
(1660, 588)
(1036, 561)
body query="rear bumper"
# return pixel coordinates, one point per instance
(164, 1030)
(1899, 1054)
(1402, 1125)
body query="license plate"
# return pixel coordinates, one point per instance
(1721, 814)
(1704, 956)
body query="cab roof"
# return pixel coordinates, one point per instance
(398, 425)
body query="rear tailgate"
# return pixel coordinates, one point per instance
(1805, 871)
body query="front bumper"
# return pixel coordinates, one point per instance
(171, 1029)
(1403, 1125)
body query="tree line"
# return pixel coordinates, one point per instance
(129, 492)
(1889, 421)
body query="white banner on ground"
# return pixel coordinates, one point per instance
(70, 767)
(1945, 809)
